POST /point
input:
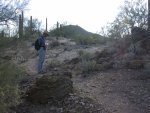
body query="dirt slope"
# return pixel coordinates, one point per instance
(120, 91)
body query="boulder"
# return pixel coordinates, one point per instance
(49, 89)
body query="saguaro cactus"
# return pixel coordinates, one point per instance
(30, 25)
(22, 18)
(57, 25)
(21, 25)
(149, 15)
(57, 30)
(46, 24)
(2, 33)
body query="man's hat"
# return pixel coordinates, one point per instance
(45, 33)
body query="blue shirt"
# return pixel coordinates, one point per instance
(42, 42)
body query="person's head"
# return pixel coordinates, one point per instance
(45, 34)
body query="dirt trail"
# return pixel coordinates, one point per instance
(31, 66)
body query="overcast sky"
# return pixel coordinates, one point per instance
(89, 14)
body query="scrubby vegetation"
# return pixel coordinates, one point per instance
(5, 42)
(87, 63)
(89, 40)
(9, 86)
(79, 35)
(10, 76)
(69, 31)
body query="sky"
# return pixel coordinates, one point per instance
(91, 15)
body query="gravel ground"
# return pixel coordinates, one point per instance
(120, 91)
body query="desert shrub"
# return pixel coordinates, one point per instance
(103, 54)
(83, 55)
(9, 90)
(82, 40)
(135, 64)
(88, 40)
(104, 58)
(88, 64)
(5, 42)
(80, 53)
(53, 64)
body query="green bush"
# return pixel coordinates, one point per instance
(83, 55)
(87, 63)
(81, 40)
(5, 42)
(88, 40)
(88, 66)
(9, 88)
(53, 64)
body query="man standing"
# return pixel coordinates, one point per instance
(42, 52)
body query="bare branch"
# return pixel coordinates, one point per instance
(10, 9)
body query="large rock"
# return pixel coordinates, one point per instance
(50, 89)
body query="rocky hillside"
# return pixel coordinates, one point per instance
(81, 78)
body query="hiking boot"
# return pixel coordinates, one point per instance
(42, 72)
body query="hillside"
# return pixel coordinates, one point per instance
(72, 31)
(98, 78)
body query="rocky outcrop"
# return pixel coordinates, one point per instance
(71, 104)
(49, 89)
